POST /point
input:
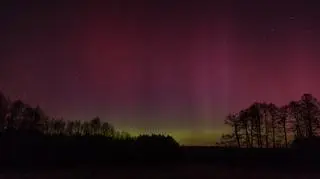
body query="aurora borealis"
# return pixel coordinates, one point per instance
(176, 67)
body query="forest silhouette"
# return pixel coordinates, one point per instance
(262, 135)
(265, 125)
(29, 137)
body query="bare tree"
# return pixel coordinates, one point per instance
(233, 121)
(255, 114)
(77, 127)
(95, 125)
(227, 140)
(16, 110)
(263, 123)
(4, 110)
(297, 125)
(70, 128)
(85, 127)
(265, 112)
(283, 121)
(274, 110)
(107, 129)
(310, 112)
(58, 126)
(243, 120)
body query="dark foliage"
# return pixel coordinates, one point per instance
(263, 125)
(260, 137)
(157, 147)
(29, 138)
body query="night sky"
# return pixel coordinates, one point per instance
(162, 66)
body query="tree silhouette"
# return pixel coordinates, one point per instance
(16, 110)
(36, 138)
(227, 140)
(310, 112)
(266, 123)
(77, 127)
(58, 126)
(107, 130)
(4, 108)
(85, 127)
(39, 119)
(95, 125)
(297, 122)
(233, 121)
(254, 113)
(243, 120)
(70, 128)
(283, 122)
(274, 113)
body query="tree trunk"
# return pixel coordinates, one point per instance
(259, 131)
(298, 131)
(285, 133)
(266, 131)
(247, 134)
(251, 134)
(309, 120)
(310, 131)
(237, 135)
(273, 135)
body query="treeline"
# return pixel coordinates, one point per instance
(29, 137)
(266, 125)
(18, 116)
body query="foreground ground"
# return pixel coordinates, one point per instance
(182, 171)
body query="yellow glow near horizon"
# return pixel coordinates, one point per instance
(186, 137)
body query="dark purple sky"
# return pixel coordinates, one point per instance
(176, 67)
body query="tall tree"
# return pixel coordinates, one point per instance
(297, 125)
(95, 124)
(107, 129)
(255, 114)
(243, 120)
(85, 127)
(70, 128)
(233, 121)
(274, 112)
(16, 111)
(77, 127)
(310, 112)
(283, 118)
(265, 112)
(59, 126)
(267, 122)
(39, 119)
(4, 110)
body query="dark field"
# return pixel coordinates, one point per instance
(197, 162)
(45, 157)
(181, 171)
